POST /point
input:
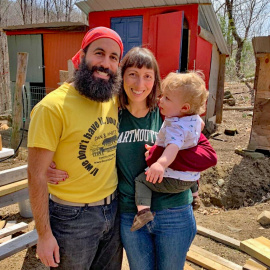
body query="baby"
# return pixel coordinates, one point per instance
(183, 100)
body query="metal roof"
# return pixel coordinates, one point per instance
(51, 25)
(205, 9)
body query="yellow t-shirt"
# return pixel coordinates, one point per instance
(83, 134)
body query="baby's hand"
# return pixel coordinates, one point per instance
(147, 147)
(155, 173)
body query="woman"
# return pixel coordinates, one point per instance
(163, 243)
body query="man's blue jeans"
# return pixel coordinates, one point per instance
(88, 237)
(162, 243)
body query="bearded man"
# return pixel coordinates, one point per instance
(76, 126)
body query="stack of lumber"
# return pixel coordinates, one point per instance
(209, 260)
(258, 248)
(11, 246)
(13, 185)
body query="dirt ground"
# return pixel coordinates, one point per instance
(233, 193)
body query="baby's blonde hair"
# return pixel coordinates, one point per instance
(192, 88)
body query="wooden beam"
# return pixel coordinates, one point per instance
(188, 267)
(10, 188)
(9, 224)
(254, 265)
(14, 197)
(13, 229)
(2, 224)
(249, 108)
(215, 258)
(220, 88)
(71, 69)
(17, 103)
(218, 237)
(17, 244)
(13, 175)
(63, 76)
(258, 248)
(207, 263)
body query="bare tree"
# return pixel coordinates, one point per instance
(244, 19)
(5, 99)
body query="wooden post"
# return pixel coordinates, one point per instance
(17, 104)
(220, 89)
(70, 69)
(260, 130)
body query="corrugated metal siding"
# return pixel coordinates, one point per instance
(102, 5)
(58, 49)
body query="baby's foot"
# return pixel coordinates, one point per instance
(142, 218)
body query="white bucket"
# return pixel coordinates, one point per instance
(25, 209)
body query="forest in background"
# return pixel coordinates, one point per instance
(240, 20)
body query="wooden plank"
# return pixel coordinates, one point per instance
(22, 61)
(14, 197)
(63, 75)
(215, 258)
(6, 152)
(7, 189)
(13, 229)
(218, 237)
(18, 243)
(220, 88)
(254, 265)
(263, 241)
(2, 224)
(188, 267)
(257, 250)
(205, 262)
(13, 175)
(8, 225)
(260, 120)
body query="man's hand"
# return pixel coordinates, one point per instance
(155, 173)
(48, 251)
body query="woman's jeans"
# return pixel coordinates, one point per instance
(88, 237)
(161, 244)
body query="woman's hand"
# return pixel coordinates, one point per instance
(56, 175)
(155, 173)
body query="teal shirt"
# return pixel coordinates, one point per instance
(134, 133)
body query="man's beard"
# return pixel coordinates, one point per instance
(96, 89)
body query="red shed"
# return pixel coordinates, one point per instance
(183, 35)
(49, 45)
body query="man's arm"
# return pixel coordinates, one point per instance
(39, 160)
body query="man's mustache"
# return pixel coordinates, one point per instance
(102, 69)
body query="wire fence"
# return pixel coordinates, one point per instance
(31, 96)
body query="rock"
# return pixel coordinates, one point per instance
(264, 218)
(249, 153)
(220, 182)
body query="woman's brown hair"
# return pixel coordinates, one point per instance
(140, 57)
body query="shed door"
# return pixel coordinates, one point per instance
(31, 44)
(130, 31)
(165, 40)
